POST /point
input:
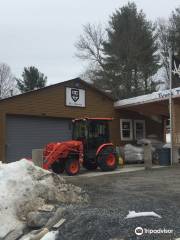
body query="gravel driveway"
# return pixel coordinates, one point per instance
(113, 196)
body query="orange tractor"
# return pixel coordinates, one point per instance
(90, 147)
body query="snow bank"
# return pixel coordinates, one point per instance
(25, 187)
(48, 236)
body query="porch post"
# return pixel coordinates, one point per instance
(170, 104)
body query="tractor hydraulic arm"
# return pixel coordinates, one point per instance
(61, 150)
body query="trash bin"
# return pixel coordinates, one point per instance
(164, 156)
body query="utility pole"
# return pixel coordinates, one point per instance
(170, 104)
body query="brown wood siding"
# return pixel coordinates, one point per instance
(176, 122)
(152, 127)
(50, 102)
(2, 136)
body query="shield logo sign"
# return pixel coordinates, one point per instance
(75, 94)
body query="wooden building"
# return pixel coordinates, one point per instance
(35, 118)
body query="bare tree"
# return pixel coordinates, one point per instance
(90, 44)
(7, 81)
(163, 31)
(91, 73)
(90, 48)
(169, 37)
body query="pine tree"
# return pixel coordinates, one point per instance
(32, 79)
(130, 53)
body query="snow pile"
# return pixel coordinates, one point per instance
(133, 153)
(25, 187)
(50, 236)
(133, 214)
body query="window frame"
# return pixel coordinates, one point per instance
(130, 138)
(135, 128)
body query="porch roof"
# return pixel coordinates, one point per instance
(155, 97)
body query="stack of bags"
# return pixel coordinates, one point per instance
(133, 153)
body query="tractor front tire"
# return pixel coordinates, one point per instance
(72, 166)
(58, 167)
(107, 159)
(90, 165)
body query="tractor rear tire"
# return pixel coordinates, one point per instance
(72, 166)
(58, 167)
(90, 165)
(107, 159)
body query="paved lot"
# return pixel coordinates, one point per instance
(97, 173)
(113, 196)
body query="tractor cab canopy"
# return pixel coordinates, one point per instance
(91, 128)
(92, 132)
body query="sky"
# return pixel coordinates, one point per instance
(42, 33)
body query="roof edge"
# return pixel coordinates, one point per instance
(148, 98)
(56, 85)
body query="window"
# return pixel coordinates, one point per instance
(126, 129)
(79, 130)
(98, 129)
(139, 129)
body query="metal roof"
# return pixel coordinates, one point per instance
(149, 98)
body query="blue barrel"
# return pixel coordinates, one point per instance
(164, 156)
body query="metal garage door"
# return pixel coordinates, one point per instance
(26, 133)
